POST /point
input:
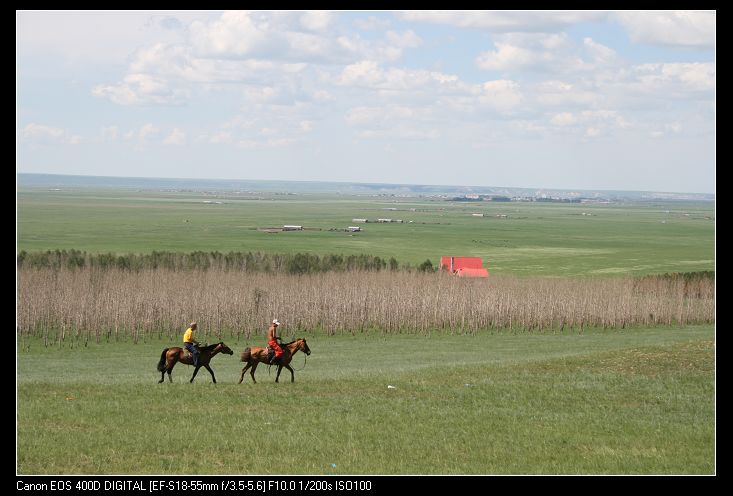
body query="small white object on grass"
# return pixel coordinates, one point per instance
(390, 387)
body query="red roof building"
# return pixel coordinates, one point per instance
(464, 266)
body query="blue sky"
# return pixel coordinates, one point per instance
(576, 99)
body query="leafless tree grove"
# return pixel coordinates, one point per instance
(109, 304)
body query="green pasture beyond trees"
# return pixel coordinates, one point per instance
(533, 238)
(634, 401)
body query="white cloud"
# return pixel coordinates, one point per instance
(109, 133)
(553, 93)
(505, 21)
(235, 35)
(221, 137)
(502, 95)
(40, 133)
(368, 73)
(678, 28)
(35, 131)
(361, 116)
(87, 37)
(563, 119)
(408, 39)
(142, 89)
(322, 96)
(177, 137)
(306, 126)
(695, 77)
(393, 122)
(506, 57)
(317, 20)
(532, 52)
(280, 36)
(265, 125)
(147, 131)
(592, 122)
(664, 82)
(601, 54)
(276, 50)
(372, 23)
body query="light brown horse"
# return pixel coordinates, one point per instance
(256, 354)
(170, 356)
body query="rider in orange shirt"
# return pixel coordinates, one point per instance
(272, 340)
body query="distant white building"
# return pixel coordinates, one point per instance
(359, 220)
(292, 228)
(384, 220)
(478, 215)
(353, 228)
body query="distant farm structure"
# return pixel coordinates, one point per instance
(287, 227)
(464, 266)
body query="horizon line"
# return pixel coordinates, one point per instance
(360, 182)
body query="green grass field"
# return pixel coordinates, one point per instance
(637, 401)
(534, 238)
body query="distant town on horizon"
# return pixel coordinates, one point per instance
(461, 192)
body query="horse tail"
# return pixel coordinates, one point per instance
(161, 363)
(246, 354)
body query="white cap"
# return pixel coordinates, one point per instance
(276, 322)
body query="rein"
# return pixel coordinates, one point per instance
(305, 359)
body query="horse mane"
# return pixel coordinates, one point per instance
(210, 347)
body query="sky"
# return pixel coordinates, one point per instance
(534, 99)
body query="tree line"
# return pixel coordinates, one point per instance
(287, 263)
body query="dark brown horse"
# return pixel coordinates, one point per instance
(170, 356)
(256, 354)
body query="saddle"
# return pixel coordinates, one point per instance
(271, 353)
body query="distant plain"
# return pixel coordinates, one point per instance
(521, 238)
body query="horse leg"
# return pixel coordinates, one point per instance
(252, 372)
(292, 373)
(195, 371)
(170, 369)
(279, 369)
(210, 372)
(241, 377)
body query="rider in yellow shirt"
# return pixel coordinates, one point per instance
(190, 343)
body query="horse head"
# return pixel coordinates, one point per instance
(303, 346)
(225, 349)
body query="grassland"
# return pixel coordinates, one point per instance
(474, 396)
(533, 238)
(638, 401)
